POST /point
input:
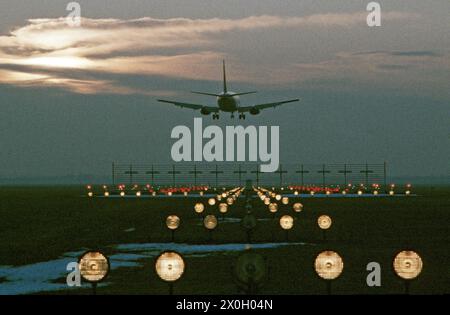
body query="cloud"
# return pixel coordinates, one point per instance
(410, 72)
(178, 47)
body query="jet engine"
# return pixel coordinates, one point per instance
(254, 111)
(204, 111)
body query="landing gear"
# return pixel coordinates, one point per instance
(242, 116)
(215, 116)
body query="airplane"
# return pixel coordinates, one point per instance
(227, 101)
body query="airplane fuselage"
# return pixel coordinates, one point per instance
(228, 102)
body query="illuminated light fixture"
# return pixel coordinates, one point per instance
(329, 265)
(296, 192)
(230, 201)
(154, 193)
(273, 207)
(298, 207)
(408, 265)
(312, 193)
(224, 195)
(407, 192)
(219, 197)
(106, 194)
(286, 222)
(172, 222)
(90, 194)
(223, 207)
(211, 201)
(201, 193)
(185, 193)
(324, 222)
(360, 192)
(169, 193)
(170, 267)
(88, 187)
(375, 192)
(285, 200)
(199, 207)
(138, 194)
(344, 192)
(328, 192)
(278, 197)
(391, 193)
(267, 201)
(273, 195)
(122, 194)
(210, 222)
(94, 267)
(262, 197)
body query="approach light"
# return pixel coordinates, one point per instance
(298, 207)
(408, 264)
(173, 222)
(170, 266)
(210, 222)
(199, 207)
(273, 207)
(211, 201)
(93, 266)
(329, 265)
(324, 222)
(223, 207)
(286, 222)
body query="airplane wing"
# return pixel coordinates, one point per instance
(210, 109)
(259, 107)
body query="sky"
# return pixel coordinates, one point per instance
(74, 99)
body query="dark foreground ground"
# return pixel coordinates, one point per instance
(38, 224)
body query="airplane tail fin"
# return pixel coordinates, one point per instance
(225, 90)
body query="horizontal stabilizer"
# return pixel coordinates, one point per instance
(203, 93)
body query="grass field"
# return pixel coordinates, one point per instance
(39, 224)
